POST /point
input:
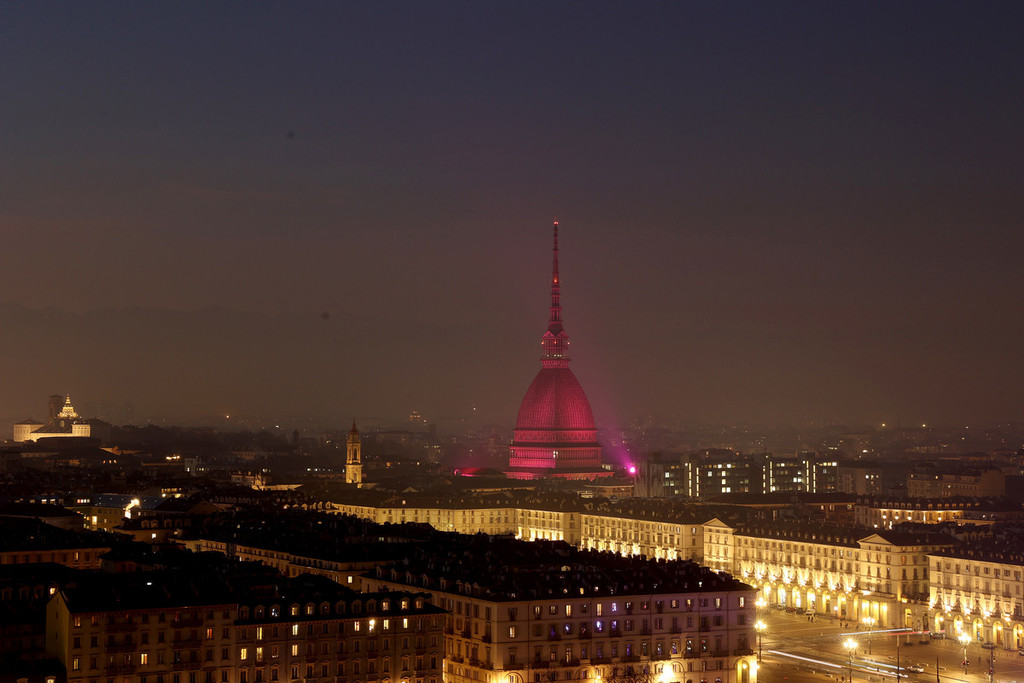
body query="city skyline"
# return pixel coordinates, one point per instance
(768, 214)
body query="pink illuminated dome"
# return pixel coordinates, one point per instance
(555, 432)
(555, 402)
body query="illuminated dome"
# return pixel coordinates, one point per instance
(555, 402)
(555, 433)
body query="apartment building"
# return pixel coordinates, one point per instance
(163, 627)
(30, 541)
(857, 574)
(532, 613)
(654, 529)
(881, 514)
(978, 587)
(956, 482)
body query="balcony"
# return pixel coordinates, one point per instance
(121, 626)
(189, 644)
(179, 666)
(120, 647)
(121, 670)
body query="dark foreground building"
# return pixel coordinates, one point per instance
(543, 611)
(243, 626)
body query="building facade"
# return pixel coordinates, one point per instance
(582, 619)
(978, 588)
(879, 578)
(308, 631)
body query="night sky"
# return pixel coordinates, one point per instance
(770, 212)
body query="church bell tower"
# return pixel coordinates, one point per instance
(354, 457)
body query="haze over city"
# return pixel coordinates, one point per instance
(769, 212)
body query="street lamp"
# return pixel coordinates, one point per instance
(991, 660)
(850, 644)
(869, 622)
(760, 627)
(965, 640)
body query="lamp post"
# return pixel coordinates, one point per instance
(965, 640)
(991, 660)
(760, 627)
(869, 622)
(850, 644)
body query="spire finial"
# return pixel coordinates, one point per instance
(554, 269)
(555, 339)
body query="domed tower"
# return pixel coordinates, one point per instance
(555, 433)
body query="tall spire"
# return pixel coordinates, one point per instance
(555, 340)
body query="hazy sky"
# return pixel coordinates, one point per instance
(769, 211)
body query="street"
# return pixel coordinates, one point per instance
(797, 650)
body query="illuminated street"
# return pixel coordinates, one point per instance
(797, 650)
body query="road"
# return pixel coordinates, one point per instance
(796, 650)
